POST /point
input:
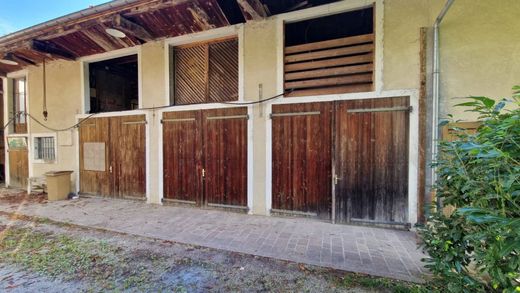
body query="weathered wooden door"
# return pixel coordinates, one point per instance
(94, 161)
(225, 157)
(18, 167)
(301, 170)
(371, 160)
(112, 156)
(128, 156)
(182, 157)
(205, 157)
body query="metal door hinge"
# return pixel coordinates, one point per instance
(203, 173)
(110, 169)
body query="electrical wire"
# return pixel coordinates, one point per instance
(148, 108)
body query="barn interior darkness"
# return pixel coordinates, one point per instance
(114, 84)
(348, 24)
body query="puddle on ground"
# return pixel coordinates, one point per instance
(191, 278)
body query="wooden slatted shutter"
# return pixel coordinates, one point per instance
(337, 66)
(206, 73)
(191, 70)
(223, 71)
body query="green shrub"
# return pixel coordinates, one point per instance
(477, 247)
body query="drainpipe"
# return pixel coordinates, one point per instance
(436, 87)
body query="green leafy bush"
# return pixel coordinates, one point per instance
(477, 247)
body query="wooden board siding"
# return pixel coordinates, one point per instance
(182, 156)
(302, 158)
(336, 66)
(371, 161)
(213, 141)
(125, 158)
(225, 156)
(18, 168)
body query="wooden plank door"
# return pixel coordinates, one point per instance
(94, 155)
(18, 168)
(301, 169)
(225, 157)
(182, 157)
(371, 160)
(128, 156)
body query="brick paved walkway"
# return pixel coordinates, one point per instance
(374, 251)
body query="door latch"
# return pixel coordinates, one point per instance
(110, 169)
(336, 179)
(203, 173)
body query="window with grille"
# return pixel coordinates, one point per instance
(44, 149)
(333, 54)
(205, 72)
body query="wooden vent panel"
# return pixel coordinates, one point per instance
(190, 75)
(330, 67)
(223, 71)
(206, 73)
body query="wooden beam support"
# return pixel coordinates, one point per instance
(100, 41)
(131, 28)
(253, 9)
(23, 61)
(50, 50)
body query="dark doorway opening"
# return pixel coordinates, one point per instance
(347, 24)
(114, 84)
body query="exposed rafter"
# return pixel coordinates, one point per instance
(131, 28)
(253, 9)
(23, 61)
(100, 41)
(50, 50)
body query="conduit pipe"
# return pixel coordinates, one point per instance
(436, 85)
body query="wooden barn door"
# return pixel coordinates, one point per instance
(18, 167)
(371, 160)
(128, 156)
(112, 156)
(182, 157)
(301, 169)
(225, 157)
(205, 157)
(94, 161)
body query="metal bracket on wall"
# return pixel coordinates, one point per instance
(395, 109)
(134, 122)
(293, 114)
(228, 117)
(177, 120)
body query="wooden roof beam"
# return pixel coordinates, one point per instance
(253, 9)
(131, 28)
(22, 61)
(50, 50)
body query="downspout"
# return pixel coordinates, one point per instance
(436, 87)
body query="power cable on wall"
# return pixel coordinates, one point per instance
(148, 108)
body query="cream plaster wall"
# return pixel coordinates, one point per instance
(63, 102)
(260, 62)
(480, 55)
(154, 95)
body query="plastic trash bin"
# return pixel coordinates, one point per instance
(58, 185)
